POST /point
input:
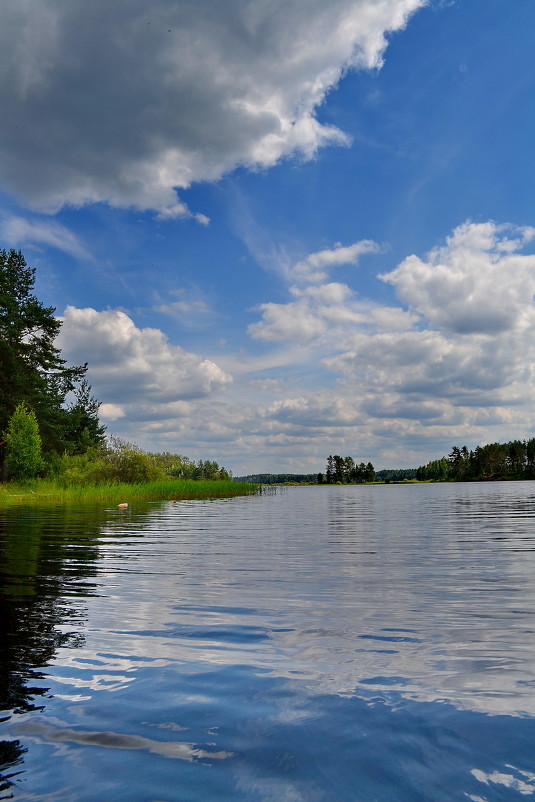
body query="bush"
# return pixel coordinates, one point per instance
(24, 444)
(118, 462)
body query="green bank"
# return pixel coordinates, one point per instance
(41, 491)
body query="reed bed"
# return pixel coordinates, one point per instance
(40, 491)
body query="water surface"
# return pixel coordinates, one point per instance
(323, 643)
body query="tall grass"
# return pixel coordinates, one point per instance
(40, 491)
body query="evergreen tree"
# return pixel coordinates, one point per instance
(24, 444)
(338, 468)
(83, 429)
(370, 472)
(33, 370)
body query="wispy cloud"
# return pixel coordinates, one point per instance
(188, 306)
(21, 231)
(315, 267)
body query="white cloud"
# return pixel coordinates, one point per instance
(135, 368)
(293, 321)
(401, 384)
(125, 103)
(19, 231)
(315, 266)
(327, 312)
(455, 360)
(111, 412)
(476, 283)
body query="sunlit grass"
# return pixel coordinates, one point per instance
(42, 491)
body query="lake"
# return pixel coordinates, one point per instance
(316, 643)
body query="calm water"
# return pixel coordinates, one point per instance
(331, 643)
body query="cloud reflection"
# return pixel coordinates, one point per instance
(181, 750)
(335, 590)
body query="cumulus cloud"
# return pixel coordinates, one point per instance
(124, 103)
(476, 283)
(393, 377)
(325, 311)
(132, 367)
(111, 412)
(318, 410)
(456, 354)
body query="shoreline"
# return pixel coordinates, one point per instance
(45, 491)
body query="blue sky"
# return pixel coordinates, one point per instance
(277, 231)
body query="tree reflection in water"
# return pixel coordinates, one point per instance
(47, 557)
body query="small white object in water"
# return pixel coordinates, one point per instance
(122, 505)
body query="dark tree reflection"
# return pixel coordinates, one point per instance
(47, 564)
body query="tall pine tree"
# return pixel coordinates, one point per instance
(33, 370)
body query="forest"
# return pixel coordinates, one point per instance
(49, 419)
(512, 460)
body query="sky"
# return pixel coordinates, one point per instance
(281, 230)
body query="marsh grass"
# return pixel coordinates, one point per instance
(39, 491)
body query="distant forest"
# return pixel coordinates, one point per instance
(513, 460)
(495, 461)
(279, 478)
(384, 475)
(339, 470)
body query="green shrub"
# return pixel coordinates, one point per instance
(120, 462)
(24, 444)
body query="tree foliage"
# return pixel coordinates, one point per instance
(123, 462)
(344, 470)
(281, 478)
(512, 460)
(33, 371)
(83, 429)
(395, 475)
(24, 443)
(183, 468)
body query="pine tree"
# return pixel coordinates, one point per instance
(33, 370)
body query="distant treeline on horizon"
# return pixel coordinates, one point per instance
(385, 475)
(495, 461)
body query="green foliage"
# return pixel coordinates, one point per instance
(344, 470)
(24, 444)
(280, 478)
(32, 367)
(33, 370)
(512, 460)
(395, 475)
(83, 430)
(118, 462)
(42, 491)
(184, 468)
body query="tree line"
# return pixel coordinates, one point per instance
(512, 460)
(279, 478)
(344, 470)
(49, 419)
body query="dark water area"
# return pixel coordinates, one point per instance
(319, 643)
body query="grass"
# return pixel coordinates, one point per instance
(40, 491)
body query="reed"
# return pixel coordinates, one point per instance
(39, 491)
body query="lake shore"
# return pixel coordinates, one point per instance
(41, 491)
